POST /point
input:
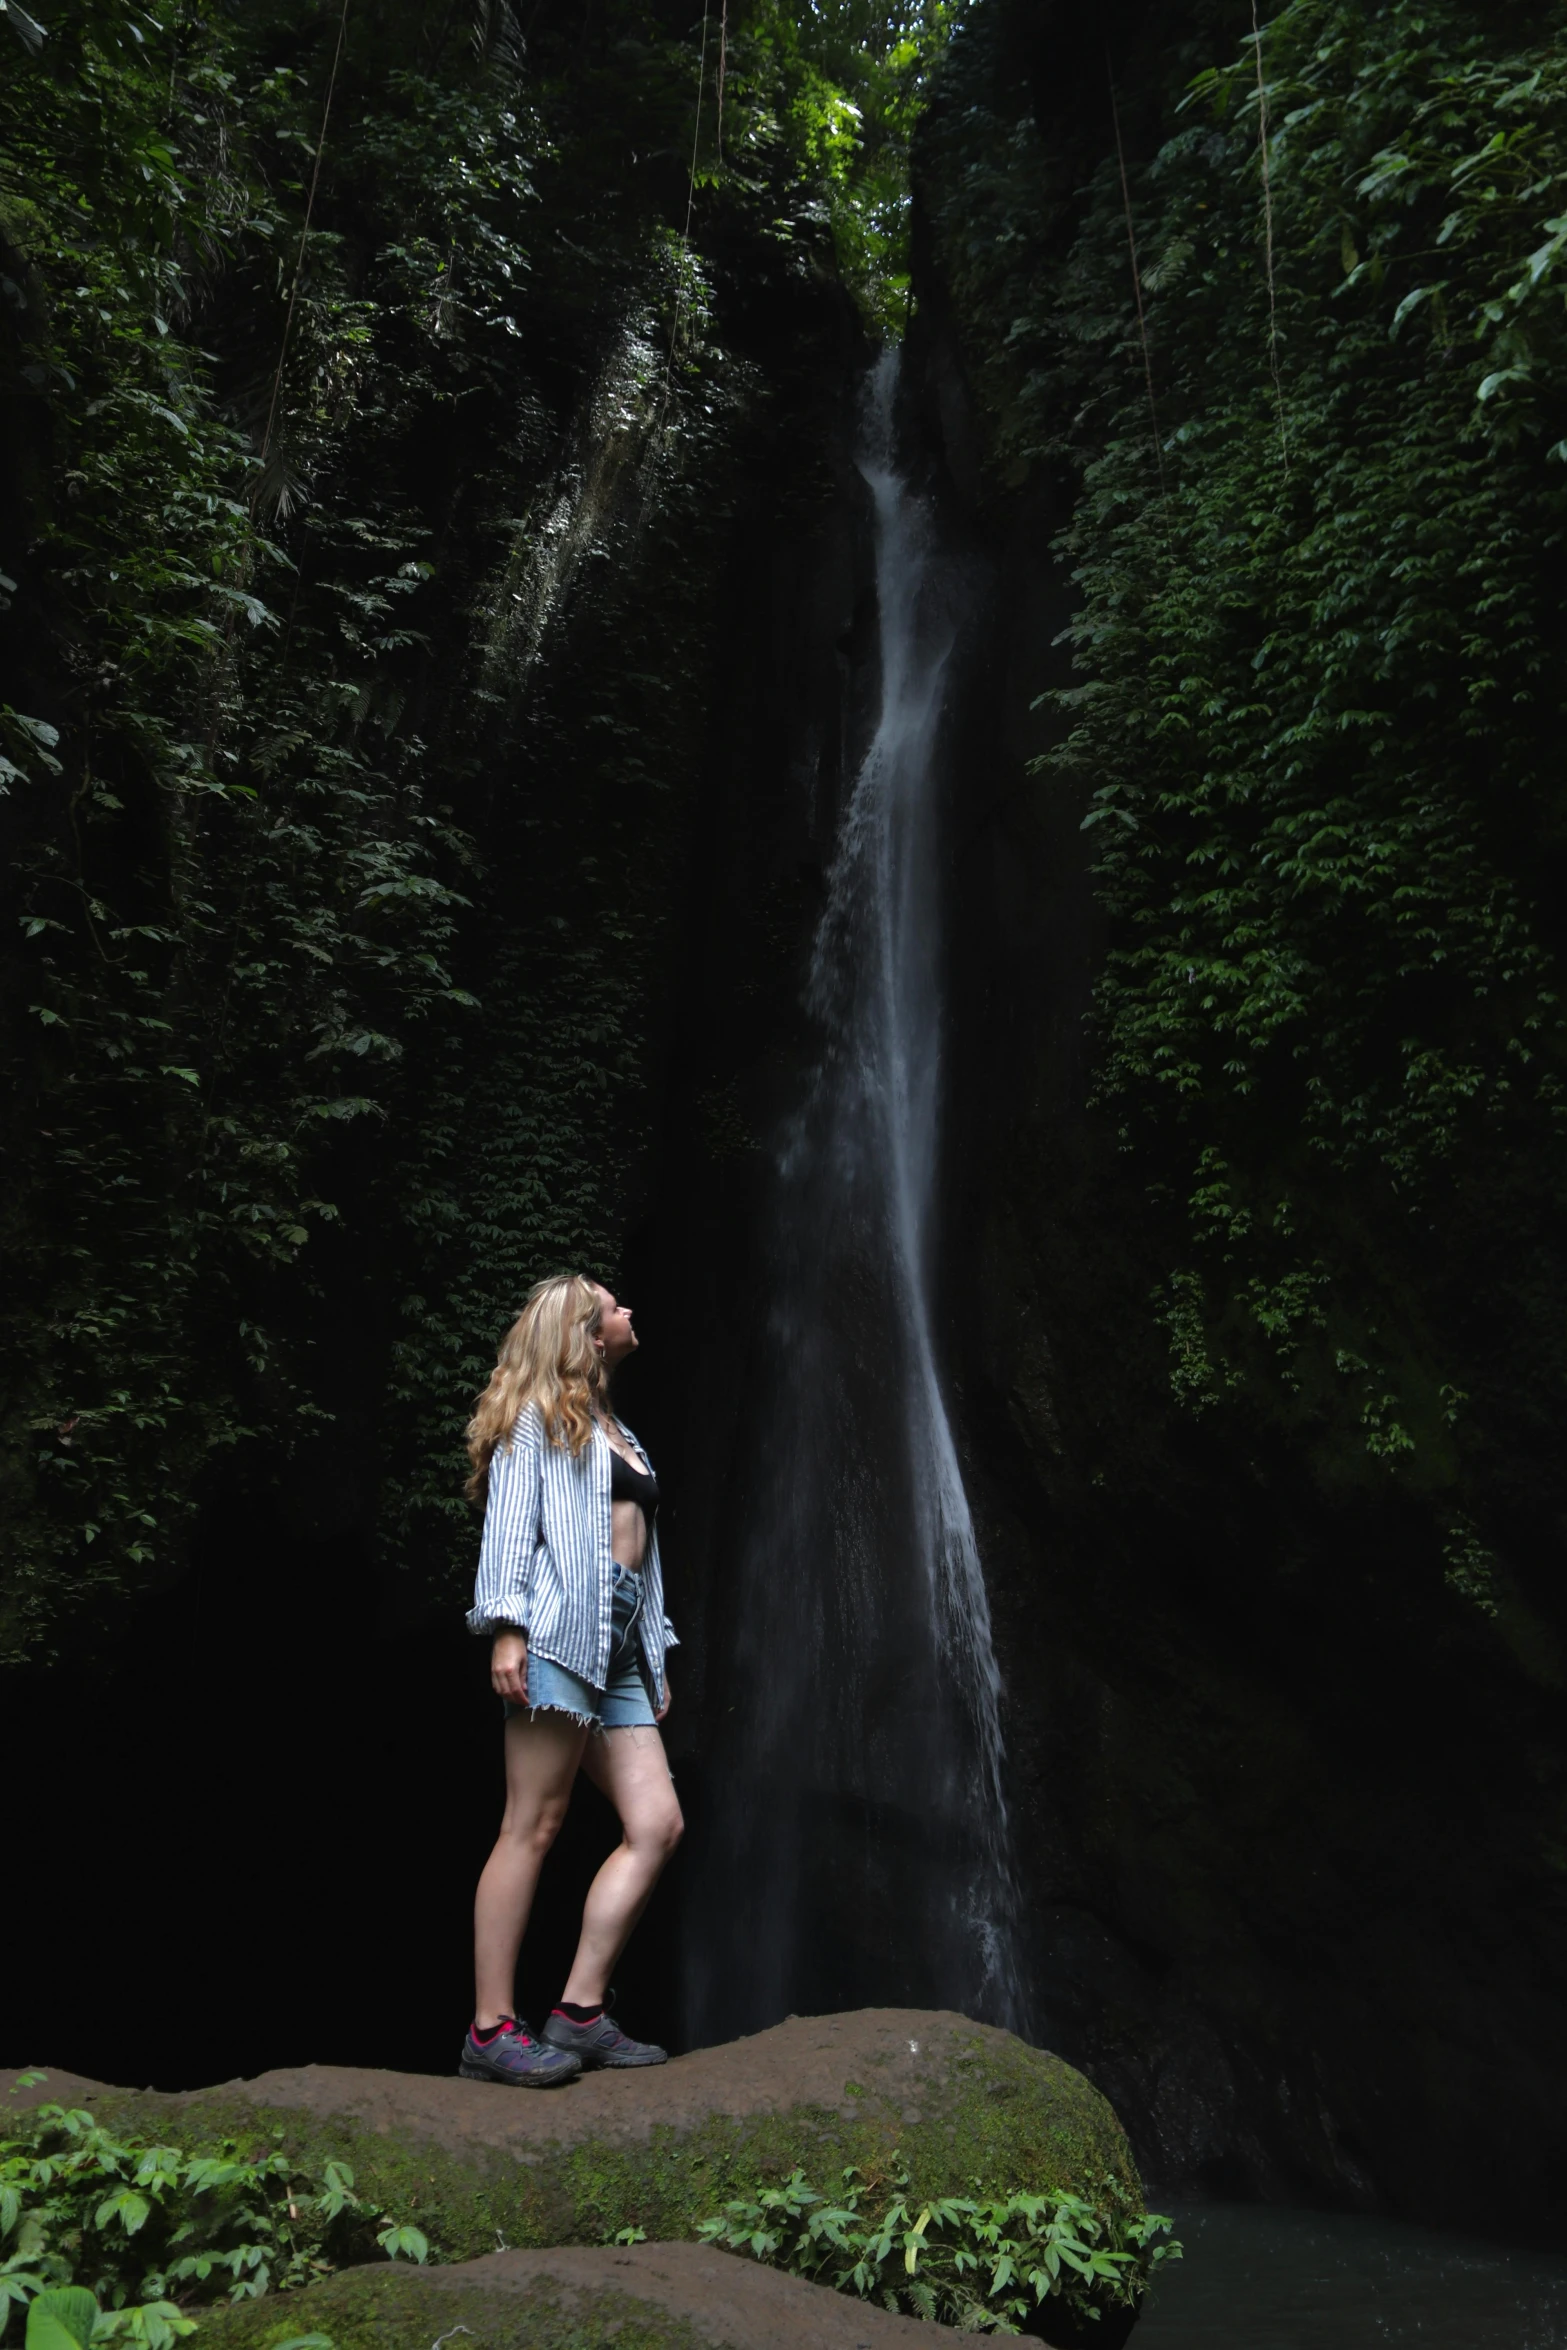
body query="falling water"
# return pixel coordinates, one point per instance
(859, 1817)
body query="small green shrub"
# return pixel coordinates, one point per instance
(982, 2266)
(67, 2317)
(148, 2229)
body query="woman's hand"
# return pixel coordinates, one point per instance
(664, 1707)
(509, 1666)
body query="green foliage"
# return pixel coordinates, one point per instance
(838, 86)
(67, 2317)
(358, 650)
(148, 2231)
(236, 895)
(984, 2266)
(1318, 696)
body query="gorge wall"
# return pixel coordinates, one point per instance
(1282, 1709)
(1289, 1794)
(1286, 1752)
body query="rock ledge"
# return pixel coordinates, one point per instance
(650, 2297)
(478, 2167)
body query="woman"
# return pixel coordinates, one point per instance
(570, 1595)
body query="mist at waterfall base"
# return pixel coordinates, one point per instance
(856, 1847)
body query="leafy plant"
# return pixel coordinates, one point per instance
(1316, 698)
(232, 902)
(984, 2265)
(838, 88)
(149, 2230)
(67, 2317)
(345, 778)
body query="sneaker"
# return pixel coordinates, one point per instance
(601, 2042)
(515, 2058)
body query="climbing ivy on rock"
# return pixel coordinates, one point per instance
(372, 434)
(1319, 593)
(234, 883)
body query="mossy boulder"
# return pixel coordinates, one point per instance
(963, 2106)
(648, 2297)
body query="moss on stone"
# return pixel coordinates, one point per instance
(392, 2309)
(989, 2113)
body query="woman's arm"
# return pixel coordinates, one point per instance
(502, 1591)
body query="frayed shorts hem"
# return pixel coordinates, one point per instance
(624, 1704)
(612, 1711)
(594, 1728)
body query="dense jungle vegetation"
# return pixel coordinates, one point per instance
(347, 348)
(339, 342)
(1283, 332)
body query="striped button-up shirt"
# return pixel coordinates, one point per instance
(546, 1564)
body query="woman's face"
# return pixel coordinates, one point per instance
(614, 1336)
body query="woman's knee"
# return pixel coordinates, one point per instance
(534, 1826)
(664, 1830)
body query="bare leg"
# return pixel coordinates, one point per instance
(629, 1766)
(542, 1755)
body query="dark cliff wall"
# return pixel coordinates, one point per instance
(1288, 1801)
(300, 1728)
(598, 480)
(365, 612)
(1288, 1806)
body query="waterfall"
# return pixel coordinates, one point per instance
(858, 1839)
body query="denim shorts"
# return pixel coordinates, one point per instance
(623, 1704)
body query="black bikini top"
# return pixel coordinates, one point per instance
(629, 1484)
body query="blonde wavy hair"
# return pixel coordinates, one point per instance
(547, 1358)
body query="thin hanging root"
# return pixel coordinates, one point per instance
(226, 644)
(685, 250)
(1267, 220)
(723, 57)
(685, 234)
(299, 264)
(696, 128)
(1137, 281)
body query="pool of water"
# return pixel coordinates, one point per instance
(1256, 2277)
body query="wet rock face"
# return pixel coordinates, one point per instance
(962, 2105)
